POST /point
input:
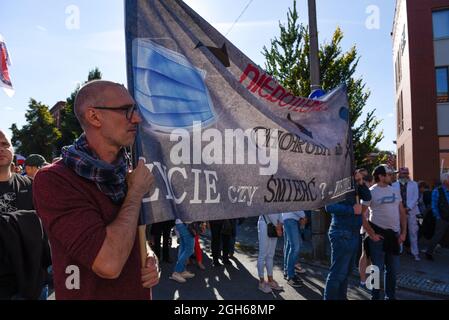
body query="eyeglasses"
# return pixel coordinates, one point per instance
(130, 109)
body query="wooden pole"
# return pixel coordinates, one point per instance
(143, 245)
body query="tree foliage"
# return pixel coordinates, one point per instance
(287, 60)
(69, 126)
(39, 134)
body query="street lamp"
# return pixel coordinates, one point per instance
(314, 58)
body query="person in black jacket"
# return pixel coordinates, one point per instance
(440, 210)
(21, 235)
(221, 232)
(162, 230)
(427, 226)
(24, 255)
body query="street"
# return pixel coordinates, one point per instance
(239, 282)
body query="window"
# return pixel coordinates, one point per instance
(400, 115)
(398, 70)
(403, 41)
(442, 75)
(444, 144)
(444, 153)
(401, 157)
(440, 24)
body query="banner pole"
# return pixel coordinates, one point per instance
(141, 226)
(142, 244)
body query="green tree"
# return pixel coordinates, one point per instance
(39, 134)
(69, 125)
(287, 60)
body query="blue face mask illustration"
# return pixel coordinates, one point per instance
(170, 91)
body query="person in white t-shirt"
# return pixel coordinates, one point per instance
(387, 229)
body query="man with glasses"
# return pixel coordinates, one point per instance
(89, 202)
(387, 229)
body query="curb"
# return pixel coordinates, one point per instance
(411, 282)
(405, 281)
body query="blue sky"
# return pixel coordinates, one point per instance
(49, 58)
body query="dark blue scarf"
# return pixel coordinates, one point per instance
(109, 178)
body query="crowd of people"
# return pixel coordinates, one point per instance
(86, 204)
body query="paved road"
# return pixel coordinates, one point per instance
(239, 282)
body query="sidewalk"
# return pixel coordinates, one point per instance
(423, 277)
(239, 281)
(427, 276)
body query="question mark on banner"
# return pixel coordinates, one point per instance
(323, 188)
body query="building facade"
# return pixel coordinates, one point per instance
(55, 111)
(421, 61)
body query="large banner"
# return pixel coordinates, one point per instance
(221, 136)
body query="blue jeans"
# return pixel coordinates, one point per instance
(386, 261)
(186, 247)
(344, 245)
(291, 246)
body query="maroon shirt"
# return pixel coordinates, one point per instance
(75, 215)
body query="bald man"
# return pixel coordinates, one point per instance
(89, 202)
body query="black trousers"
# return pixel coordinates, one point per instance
(219, 240)
(158, 231)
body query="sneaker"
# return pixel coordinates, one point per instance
(177, 277)
(275, 286)
(264, 287)
(299, 269)
(295, 282)
(417, 258)
(285, 276)
(187, 274)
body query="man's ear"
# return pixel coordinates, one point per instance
(92, 117)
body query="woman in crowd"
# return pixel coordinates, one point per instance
(267, 247)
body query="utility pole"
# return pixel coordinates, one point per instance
(314, 58)
(319, 217)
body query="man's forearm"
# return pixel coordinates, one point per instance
(403, 216)
(120, 238)
(365, 222)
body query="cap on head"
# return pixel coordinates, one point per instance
(404, 170)
(383, 169)
(35, 160)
